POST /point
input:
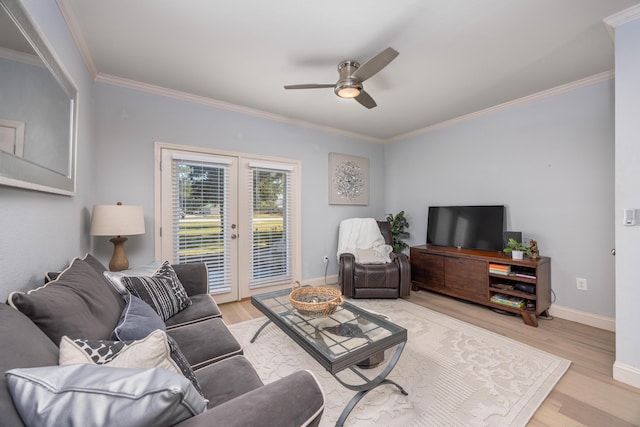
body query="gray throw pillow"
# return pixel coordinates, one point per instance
(137, 320)
(93, 396)
(79, 304)
(162, 291)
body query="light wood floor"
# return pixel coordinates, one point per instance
(587, 395)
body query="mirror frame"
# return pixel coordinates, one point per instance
(16, 171)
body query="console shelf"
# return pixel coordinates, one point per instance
(489, 278)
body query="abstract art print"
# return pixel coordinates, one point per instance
(348, 180)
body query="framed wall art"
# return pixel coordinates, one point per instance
(348, 180)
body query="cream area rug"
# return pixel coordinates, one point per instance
(456, 374)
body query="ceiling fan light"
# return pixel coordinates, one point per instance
(348, 92)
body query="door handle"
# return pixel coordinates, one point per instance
(234, 236)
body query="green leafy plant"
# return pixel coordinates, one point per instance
(514, 245)
(398, 224)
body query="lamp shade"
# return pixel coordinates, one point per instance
(117, 220)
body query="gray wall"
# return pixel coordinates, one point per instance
(551, 162)
(39, 231)
(627, 366)
(129, 122)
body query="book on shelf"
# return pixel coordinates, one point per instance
(509, 300)
(499, 269)
(525, 275)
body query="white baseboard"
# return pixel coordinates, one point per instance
(586, 318)
(626, 374)
(319, 281)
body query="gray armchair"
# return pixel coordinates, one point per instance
(391, 280)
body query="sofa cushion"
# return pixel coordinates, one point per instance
(77, 304)
(205, 342)
(115, 277)
(162, 291)
(227, 379)
(25, 346)
(92, 395)
(202, 307)
(137, 320)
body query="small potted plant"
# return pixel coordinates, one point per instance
(398, 225)
(516, 249)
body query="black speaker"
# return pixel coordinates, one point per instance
(516, 235)
(525, 287)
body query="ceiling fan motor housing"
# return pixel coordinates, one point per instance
(348, 86)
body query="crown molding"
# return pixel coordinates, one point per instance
(617, 19)
(549, 93)
(210, 102)
(78, 36)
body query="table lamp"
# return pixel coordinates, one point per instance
(117, 220)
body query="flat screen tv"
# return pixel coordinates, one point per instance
(468, 227)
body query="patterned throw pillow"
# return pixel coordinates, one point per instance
(157, 350)
(162, 291)
(150, 352)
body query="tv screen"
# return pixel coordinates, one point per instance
(469, 227)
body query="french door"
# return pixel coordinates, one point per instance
(238, 214)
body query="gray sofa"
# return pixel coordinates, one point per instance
(82, 304)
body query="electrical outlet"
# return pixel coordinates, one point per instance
(325, 259)
(581, 284)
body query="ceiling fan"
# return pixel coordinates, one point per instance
(352, 74)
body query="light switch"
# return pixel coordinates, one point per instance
(629, 217)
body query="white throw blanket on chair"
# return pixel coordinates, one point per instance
(362, 238)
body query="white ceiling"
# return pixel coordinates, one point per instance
(456, 56)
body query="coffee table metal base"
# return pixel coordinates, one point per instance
(369, 384)
(364, 388)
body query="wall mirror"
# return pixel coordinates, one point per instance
(38, 108)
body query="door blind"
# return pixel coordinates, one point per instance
(199, 208)
(270, 217)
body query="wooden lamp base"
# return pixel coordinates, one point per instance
(119, 260)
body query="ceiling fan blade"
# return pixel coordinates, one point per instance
(310, 86)
(375, 64)
(365, 99)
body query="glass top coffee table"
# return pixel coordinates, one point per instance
(342, 340)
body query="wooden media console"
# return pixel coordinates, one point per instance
(489, 278)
